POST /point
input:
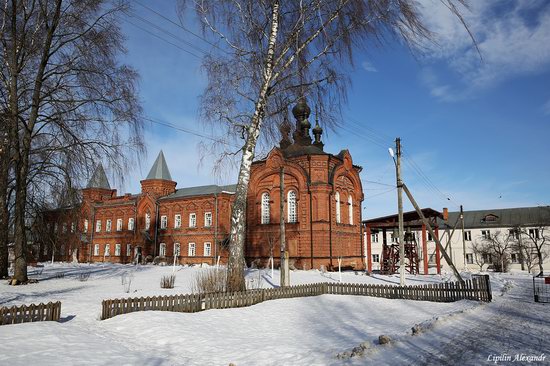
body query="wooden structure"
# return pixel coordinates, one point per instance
(30, 313)
(390, 251)
(478, 288)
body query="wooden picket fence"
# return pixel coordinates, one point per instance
(478, 288)
(30, 313)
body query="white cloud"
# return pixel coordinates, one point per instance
(512, 39)
(367, 66)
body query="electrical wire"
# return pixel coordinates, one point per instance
(161, 38)
(179, 25)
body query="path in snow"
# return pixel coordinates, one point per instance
(512, 324)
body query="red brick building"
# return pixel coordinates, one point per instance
(322, 197)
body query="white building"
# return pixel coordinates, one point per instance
(489, 239)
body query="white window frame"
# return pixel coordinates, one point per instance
(163, 222)
(337, 199)
(86, 225)
(177, 221)
(128, 250)
(108, 225)
(292, 209)
(486, 234)
(162, 250)
(64, 227)
(107, 251)
(265, 208)
(177, 249)
(469, 258)
(118, 250)
(73, 227)
(514, 258)
(467, 235)
(191, 250)
(131, 223)
(376, 258)
(350, 209)
(147, 221)
(98, 226)
(374, 237)
(192, 219)
(208, 219)
(96, 250)
(118, 224)
(207, 249)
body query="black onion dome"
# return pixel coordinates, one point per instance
(301, 110)
(317, 129)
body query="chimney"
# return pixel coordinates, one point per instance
(445, 213)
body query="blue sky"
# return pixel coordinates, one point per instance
(474, 131)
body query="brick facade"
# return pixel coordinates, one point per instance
(322, 227)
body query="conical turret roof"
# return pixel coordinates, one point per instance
(99, 179)
(159, 170)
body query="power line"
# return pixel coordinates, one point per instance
(426, 180)
(382, 184)
(152, 24)
(179, 26)
(379, 194)
(161, 38)
(191, 132)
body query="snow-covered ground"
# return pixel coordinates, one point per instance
(302, 331)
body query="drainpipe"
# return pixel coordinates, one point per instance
(330, 226)
(92, 228)
(215, 229)
(156, 228)
(310, 212)
(361, 233)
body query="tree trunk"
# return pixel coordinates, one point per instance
(4, 214)
(20, 246)
(541, 268)
(235, 265)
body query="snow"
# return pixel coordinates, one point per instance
(301, 331)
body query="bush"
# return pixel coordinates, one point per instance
(211, 280)
(168, 281)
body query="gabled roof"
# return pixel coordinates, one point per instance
(159, 170)
(99, 179)
(504, 217)
(201, 191)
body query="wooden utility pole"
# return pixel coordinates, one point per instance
(285, 281)
(463, 238)
(436, 238)
(400, 211)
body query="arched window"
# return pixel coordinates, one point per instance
(291, 206)
(147, 221)
(337, 198)
(265, 208)
(350, 208)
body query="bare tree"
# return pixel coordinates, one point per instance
(5, 158)
(538, 244)
(480, 251)
(499, 245)
(271, 53)
(67, 100)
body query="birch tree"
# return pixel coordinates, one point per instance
(269, 54)
(67, 100)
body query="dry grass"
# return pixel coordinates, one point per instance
(211, 280)
(168, 281)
